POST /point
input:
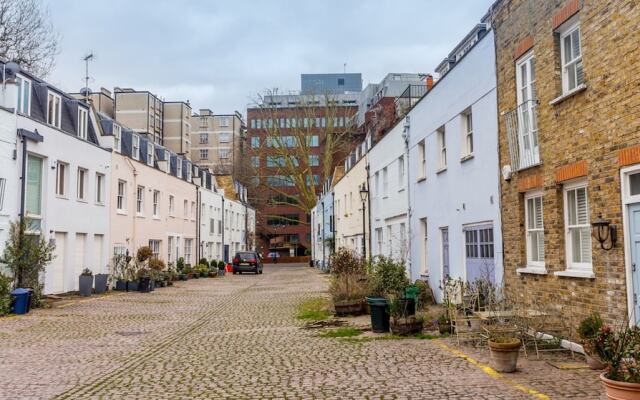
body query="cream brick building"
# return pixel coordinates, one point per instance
(217, 140)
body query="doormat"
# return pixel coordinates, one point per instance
(568, 365)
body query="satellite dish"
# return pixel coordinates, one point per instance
(85, 91)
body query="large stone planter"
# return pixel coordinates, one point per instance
(505, 355)
(85, 285)
(617, 390)
(406, 327)
(348, 307)
(101, 282)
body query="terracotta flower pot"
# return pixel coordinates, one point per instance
(617, 390)
(594, 362)
(505, 355)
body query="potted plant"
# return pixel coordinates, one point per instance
(144, 280)
(444, 324)
(101, 283)
(403, 322)
(621, 356)
(221, 266)
(195, 272)
(388, 280)
(119, 268)
(504, 350)
(180, 269)
(157, 266)
(188, 271)
(346, 286)
(593, 349)
(86, 282)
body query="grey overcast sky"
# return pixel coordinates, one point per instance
(220, 54)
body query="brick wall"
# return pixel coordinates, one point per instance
(588, 134)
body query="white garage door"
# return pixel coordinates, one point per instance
(54, 273)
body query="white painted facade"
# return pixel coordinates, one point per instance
(78, 227)
(388, 196)
(449, 200)
(9, 183)
(211, 223)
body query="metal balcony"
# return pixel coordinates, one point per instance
(522, 135)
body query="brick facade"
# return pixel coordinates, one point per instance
(590, 134)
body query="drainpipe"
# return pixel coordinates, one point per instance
(198, 224)
(323, 237)
(406, 136)
(222, 218)
(367, 168)
(134, 211)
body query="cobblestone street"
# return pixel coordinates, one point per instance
(237, 338)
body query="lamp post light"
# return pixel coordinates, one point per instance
(603, 231)
(363, 196)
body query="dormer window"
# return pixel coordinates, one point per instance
(117, 138)
(24, 95)
(179, 168)
(189, 172)
(82, 123)
(135, 148)
(53, 109)
(167, 158)
(150, 154)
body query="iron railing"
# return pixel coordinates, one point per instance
(522, 135)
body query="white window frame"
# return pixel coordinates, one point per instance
(422, 159)
(566, 65)
(185, 205)
(467, 134)
(56, 108)
(24, 88)
(528, 141)
(100, 187)
(224, 137)
(3, 187)
(167, 159)
(442, 148)
(150, 153)
(82, 183)
(424, 225)
(187, 250)
(121, 196)
(401, 173)
(385, 183)
(83, 122)
(570, 264)
(155, 246)
(204, 138)
(62, 191)
(179, 167)
(532, 196)
(135, 147)
(204, 154)
(224, 122)
(156, 204)
(172, 205)
(140, 200)
(117, 138)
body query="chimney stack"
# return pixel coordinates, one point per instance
(429, 82)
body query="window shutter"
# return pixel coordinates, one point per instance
(538, 212)
(582, 206)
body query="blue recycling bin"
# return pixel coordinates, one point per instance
(21, 300)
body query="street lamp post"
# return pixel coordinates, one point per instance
(363, 196)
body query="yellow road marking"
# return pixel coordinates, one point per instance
(89, 299)
(493, 373)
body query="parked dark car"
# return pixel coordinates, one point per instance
(247, 261)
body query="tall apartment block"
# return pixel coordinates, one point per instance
(217, 140)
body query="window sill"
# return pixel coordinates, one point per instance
(156, 217)
(575, 274)
(139, 215)
(563, 97)
(400, 190)
(441, 170)
(466, 157)
(61, 197)
(81, 201)
(99, 204)
(532, 270)
(121, 212)
(421, 179)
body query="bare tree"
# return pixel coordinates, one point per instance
(299, 147)
(27, 35)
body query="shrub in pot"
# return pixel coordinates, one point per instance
(188, 272)
(444, 324)
(388, 280)
(144, 280)
(347, 282)
(221, 266)
(504, 352)
(203, 261)
(119, 267)
(621, 356)
(86, 282)
(593, 349)
(402, 322)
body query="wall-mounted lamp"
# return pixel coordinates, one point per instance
(604, 232)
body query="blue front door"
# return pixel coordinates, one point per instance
(634, 240)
